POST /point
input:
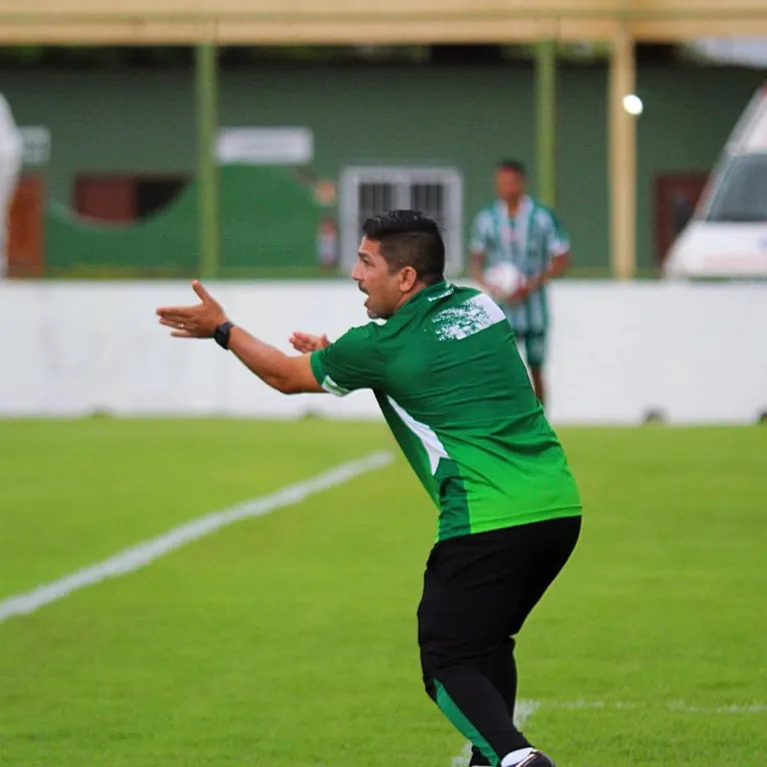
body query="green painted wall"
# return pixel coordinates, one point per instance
(266, 218)
(107, 120)
(467, 118)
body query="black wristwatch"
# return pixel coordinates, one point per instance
(221, 334)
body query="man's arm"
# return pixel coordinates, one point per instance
(478, 251)
(477, 260)
(289, 375)
(558, 247)
(558, 265)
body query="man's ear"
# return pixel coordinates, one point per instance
(408, 277)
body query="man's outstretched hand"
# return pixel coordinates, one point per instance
(198, 321)
(306, 342)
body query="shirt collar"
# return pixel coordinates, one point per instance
(430, 294)
(525, 205)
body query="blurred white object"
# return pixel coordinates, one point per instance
(504, 278)
(727, 235)
(11, 153)
(733, 50)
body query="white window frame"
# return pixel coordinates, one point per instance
(402, 177)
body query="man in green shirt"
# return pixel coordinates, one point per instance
(446, 373)
(520, 230)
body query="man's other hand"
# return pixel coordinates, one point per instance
(306, 342)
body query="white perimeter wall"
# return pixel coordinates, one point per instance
(698, 353)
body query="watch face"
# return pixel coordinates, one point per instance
(221, 334)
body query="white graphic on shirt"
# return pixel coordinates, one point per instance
(434, 448)
(477, 314)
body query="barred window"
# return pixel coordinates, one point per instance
(436, 192)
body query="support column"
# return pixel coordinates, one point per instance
(546, 116)
(206, 75)
(623, 151)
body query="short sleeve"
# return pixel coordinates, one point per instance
(557, 241)
(352, 362)
(481, 233)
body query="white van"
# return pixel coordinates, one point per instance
(727, 235)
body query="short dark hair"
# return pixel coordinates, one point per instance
(513, 165)
(409, 238)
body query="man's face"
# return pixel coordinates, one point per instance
(509, 184)
(371, 273)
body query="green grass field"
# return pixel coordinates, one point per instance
(290, 639)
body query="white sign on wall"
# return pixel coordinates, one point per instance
(265, 146)
(37, 145)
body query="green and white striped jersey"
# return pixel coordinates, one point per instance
(450, 382)
(529, 240)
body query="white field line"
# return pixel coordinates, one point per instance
(673, 706)
(526, 708)
(136, 557)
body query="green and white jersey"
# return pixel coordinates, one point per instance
(448, 377)
(529, 240)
